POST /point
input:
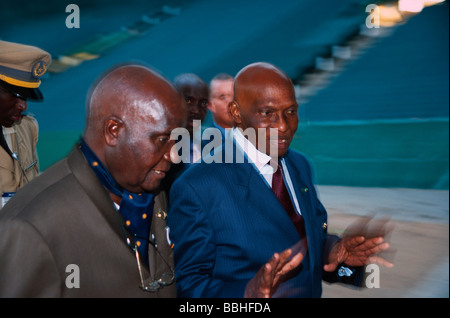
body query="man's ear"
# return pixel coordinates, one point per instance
(234, 110)
(211, 106)
(111, 130)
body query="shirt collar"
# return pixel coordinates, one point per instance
(8, 130)
(258, 158)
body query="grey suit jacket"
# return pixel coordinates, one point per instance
(62, 229)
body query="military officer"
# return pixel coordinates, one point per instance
(21, 67)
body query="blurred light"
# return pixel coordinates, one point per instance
(410, 5)
(389, 15)
(416, 5)
(432, 2)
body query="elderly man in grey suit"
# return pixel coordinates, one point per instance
(94, 224)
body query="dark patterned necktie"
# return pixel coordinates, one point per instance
(281, 192)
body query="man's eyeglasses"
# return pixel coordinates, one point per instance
(166, 279)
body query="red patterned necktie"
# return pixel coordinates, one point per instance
(281, 192)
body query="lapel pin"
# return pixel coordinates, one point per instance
(324, 225)
(162, 214)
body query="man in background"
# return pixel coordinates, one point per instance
(220, 95)
(21, 67)
(195, 93)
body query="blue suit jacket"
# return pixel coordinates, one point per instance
(225, 223)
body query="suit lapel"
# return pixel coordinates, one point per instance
(158, 231)
(302, 192)
(300, 187)
(93, 188)
(261, 200)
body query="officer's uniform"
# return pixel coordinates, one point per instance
(21, 67)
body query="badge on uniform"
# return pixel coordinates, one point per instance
(6, 197)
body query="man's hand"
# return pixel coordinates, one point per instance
(360, 246)
(277, 270)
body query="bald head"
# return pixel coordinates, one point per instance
(257, 79)
(131, 112)
(127, 93)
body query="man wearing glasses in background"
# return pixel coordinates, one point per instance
(21, 67)
(94, 224)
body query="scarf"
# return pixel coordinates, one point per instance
(135, 208)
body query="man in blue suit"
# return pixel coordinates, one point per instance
(258, 229)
